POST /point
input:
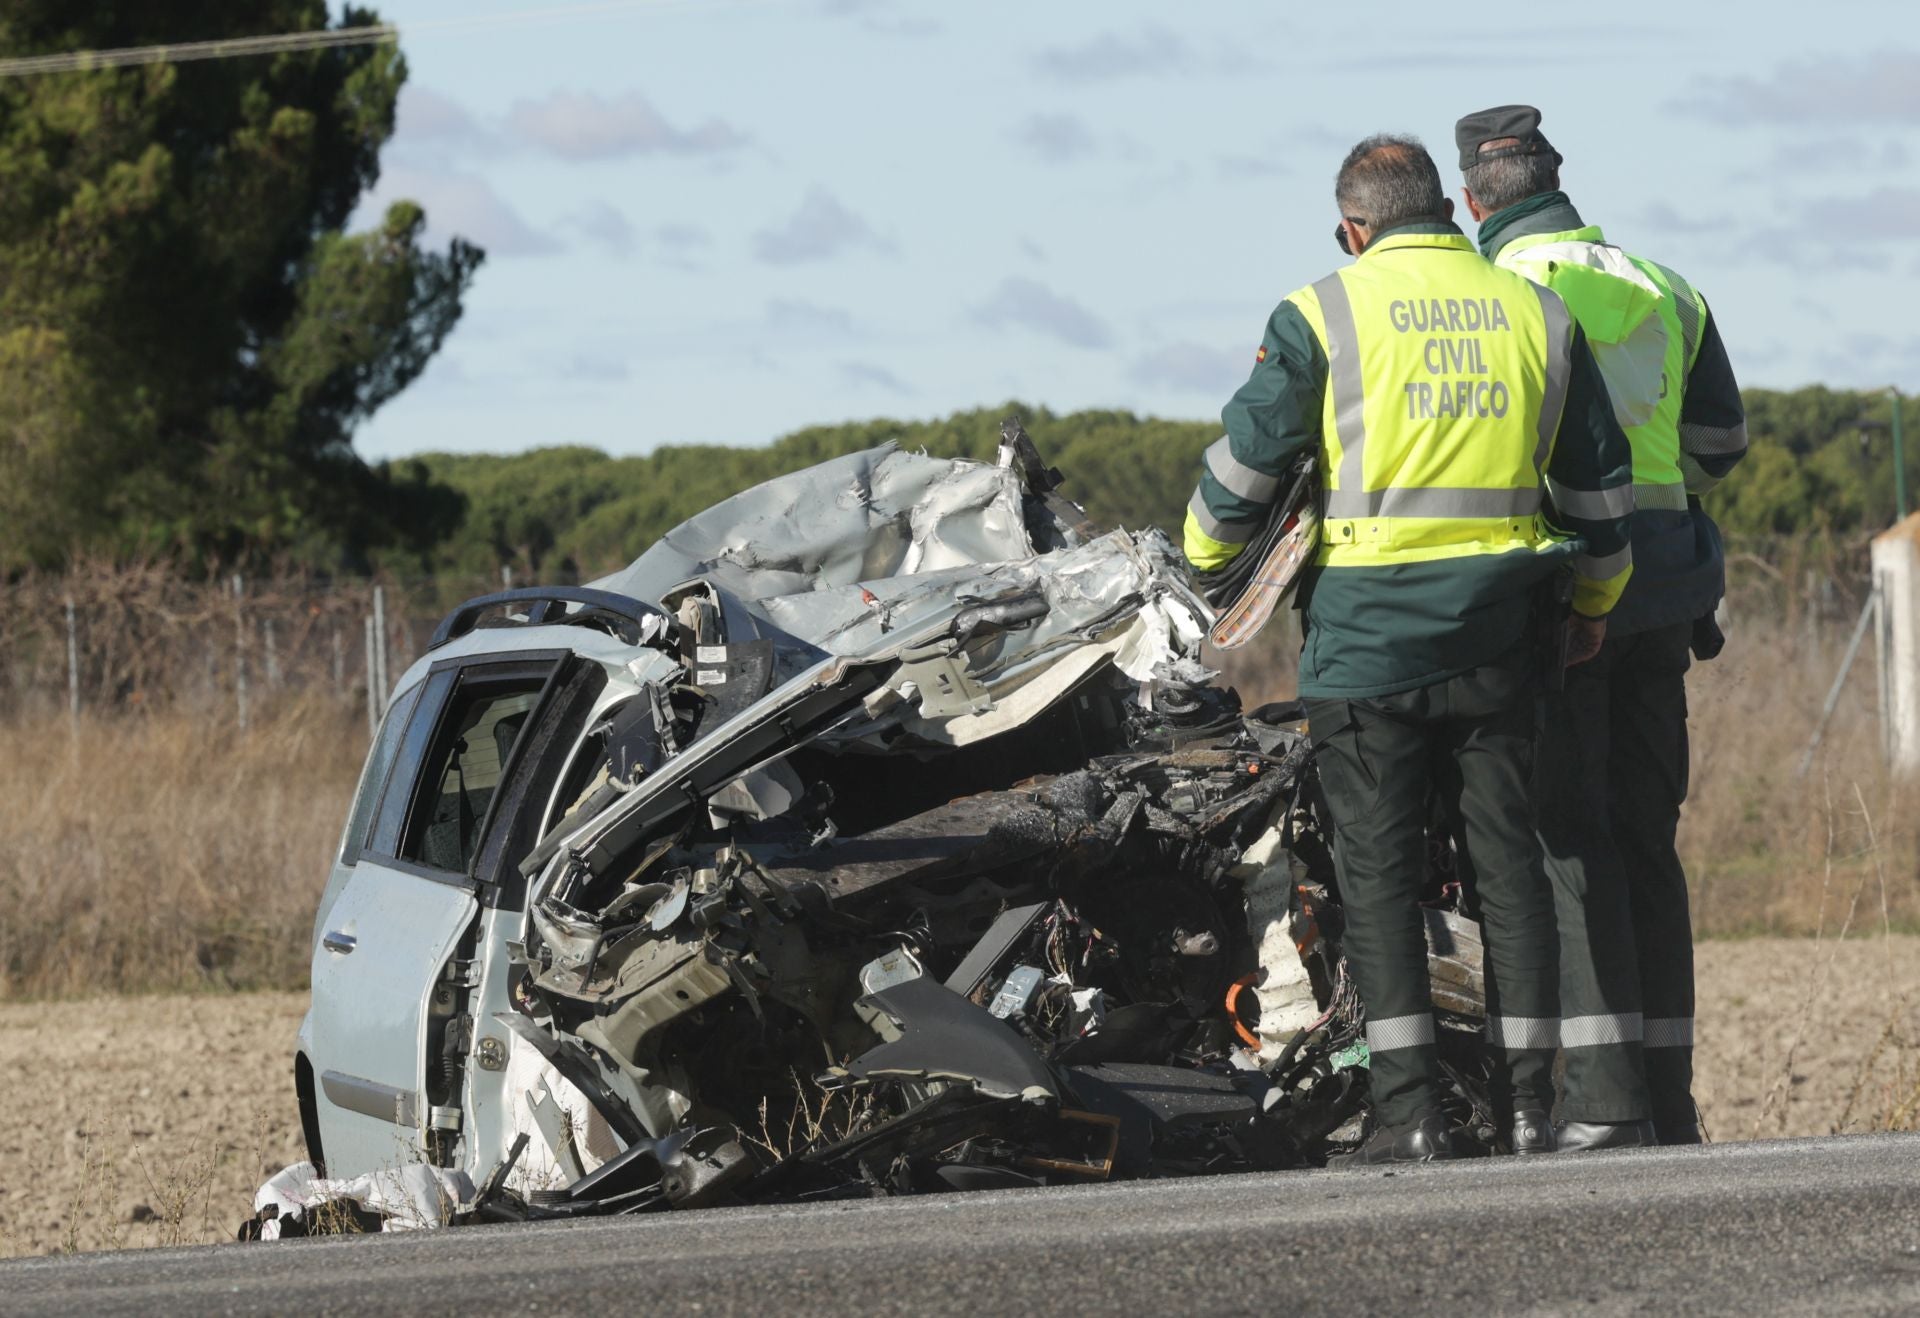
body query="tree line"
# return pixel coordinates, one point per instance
(1821, 464)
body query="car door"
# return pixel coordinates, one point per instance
(404, 904)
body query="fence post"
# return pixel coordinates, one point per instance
(1896, 579)
(1869, 614)
(73, 670)
(240, 650)
(380, 649)
(1811, 646)
(339, 660)
(506, 576)
(373, 699)
(271, 642)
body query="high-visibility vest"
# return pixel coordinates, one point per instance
(1446, 381)
(1643, 322)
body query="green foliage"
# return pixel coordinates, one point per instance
(1822, 461)
(187, 336)
(563, 511)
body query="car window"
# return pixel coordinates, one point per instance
(373, 778)
(415, 741)
(450, 759)
(458, 781)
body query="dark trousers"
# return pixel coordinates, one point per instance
(1612, 774)
(1380, 761)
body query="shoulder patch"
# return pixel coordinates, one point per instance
(1261, 355)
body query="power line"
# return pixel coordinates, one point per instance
(321, 39)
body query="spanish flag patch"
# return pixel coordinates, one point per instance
(1260, 356)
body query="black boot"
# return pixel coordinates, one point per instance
(1427, 1140)
(1532, 1132)
(1678, 1132)
(1591, 1136)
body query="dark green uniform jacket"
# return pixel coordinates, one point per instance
(1679, 568)
(1375, 631)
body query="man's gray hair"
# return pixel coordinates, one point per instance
(1389, 180)
(1510, 180)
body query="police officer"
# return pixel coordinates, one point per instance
(1439, 393)
(1613, 767)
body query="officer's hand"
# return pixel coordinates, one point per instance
(1584, 636)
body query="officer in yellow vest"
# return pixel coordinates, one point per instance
(1613, 766)
(1466, 441)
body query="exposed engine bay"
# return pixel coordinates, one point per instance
(911, 850)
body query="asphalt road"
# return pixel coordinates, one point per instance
(1826, 1225)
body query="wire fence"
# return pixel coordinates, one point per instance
(121, 640)
(131, 639)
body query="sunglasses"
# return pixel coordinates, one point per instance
(1340, 233)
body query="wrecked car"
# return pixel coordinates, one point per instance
(875, 831)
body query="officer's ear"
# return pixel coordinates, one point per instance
(1446, 208)
(1473, 207)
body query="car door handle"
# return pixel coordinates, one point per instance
(334, 941)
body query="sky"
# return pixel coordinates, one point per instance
(722, 220)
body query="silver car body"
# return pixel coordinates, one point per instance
(899, 600)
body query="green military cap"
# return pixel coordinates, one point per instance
(1517, 121)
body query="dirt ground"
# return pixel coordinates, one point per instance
(142, 1120)
(146, 1121)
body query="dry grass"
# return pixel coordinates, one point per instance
(163, 848)
(1754, 837)
(817, 1117)
(169, 851)
(1763, 847)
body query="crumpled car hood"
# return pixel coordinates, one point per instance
(797, 548)
(840, 556)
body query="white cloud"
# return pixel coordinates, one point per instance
(870, 375)
(582, 126)
(1189, 367)
(595, 368)
(1885, 214)
(1056, 138)
(425, 115)
(819, 229)
(683, 236)
(1234, 167)
(605, 225)
(1845, 89)
(1153, 50)
(1034, 306)
(1663, 218)
(465, 206)
(877, 16)
(794, 316)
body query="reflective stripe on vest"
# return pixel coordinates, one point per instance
(1686, 307)
(1593, 505)
(1235, 476)
(1227, 533)
(1671, 498)
(1462, 371)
